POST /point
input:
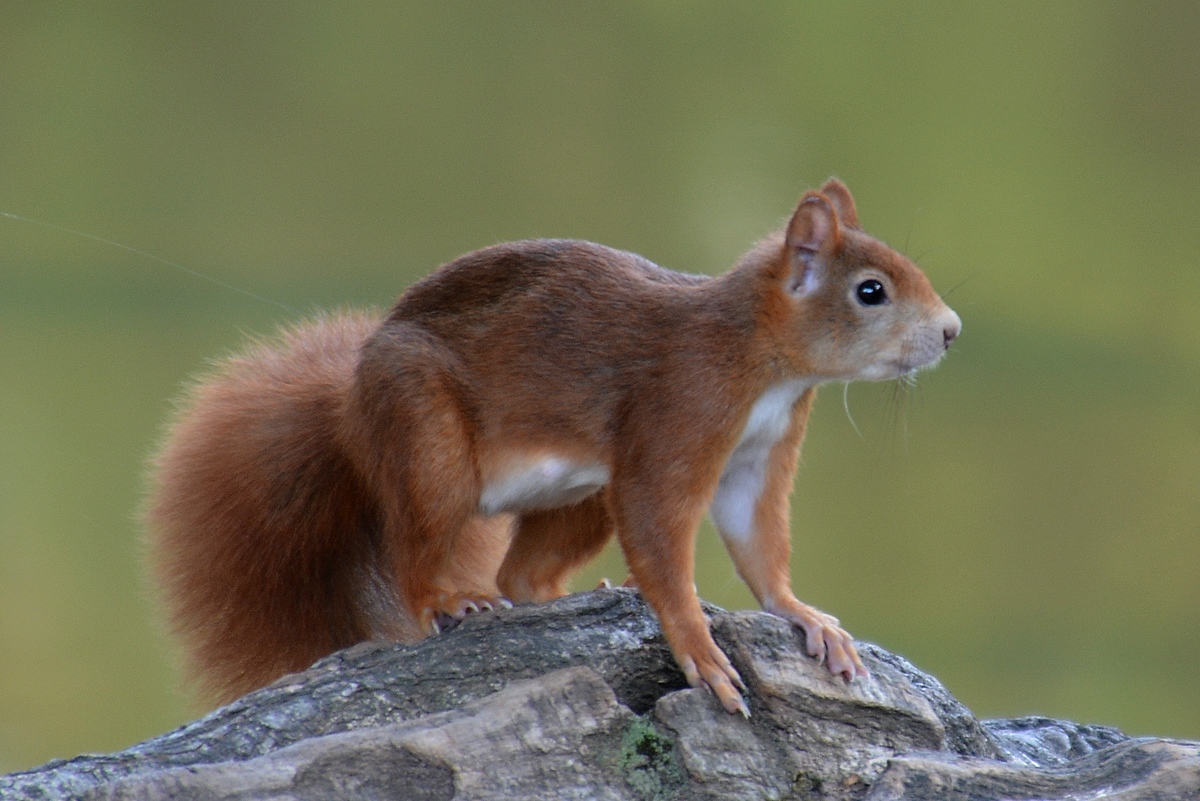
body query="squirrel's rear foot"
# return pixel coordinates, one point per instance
(448, 609)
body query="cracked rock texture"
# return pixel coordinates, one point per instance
(580, 699)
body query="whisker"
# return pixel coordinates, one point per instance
(946, 294)
(846, 406)
(924, 253)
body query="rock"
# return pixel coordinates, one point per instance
(580, 699)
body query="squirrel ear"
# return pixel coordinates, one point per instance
(814, 225)
(813, 229)
(839, 196)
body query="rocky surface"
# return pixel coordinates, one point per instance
(580, 699)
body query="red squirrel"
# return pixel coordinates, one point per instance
(366, 478)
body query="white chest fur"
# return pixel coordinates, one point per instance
(541, 482)
(744, 476)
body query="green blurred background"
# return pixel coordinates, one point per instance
(1025, 523)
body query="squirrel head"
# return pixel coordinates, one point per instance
(851, 307)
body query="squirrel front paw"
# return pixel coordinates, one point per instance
(825, 639)
(707, 666)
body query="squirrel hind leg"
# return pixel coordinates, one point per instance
(443, 556)
(406, 429)
(468, 579)
(550, 545)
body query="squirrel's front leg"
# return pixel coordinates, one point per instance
(657, 531)
(750, 510)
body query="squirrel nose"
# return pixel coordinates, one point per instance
(951, 329)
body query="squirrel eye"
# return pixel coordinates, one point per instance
(870, 292)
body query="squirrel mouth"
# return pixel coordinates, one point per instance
(909, 367)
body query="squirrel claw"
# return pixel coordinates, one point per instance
(826, 641)
(732, 701)
(449, 609)
(716, 673)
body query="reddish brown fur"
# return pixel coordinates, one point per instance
(327, 489)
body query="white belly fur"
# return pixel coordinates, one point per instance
(543, 482)
(745, 472)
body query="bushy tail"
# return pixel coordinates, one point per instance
(262, 538)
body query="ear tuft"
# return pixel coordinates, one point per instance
(839, 196)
